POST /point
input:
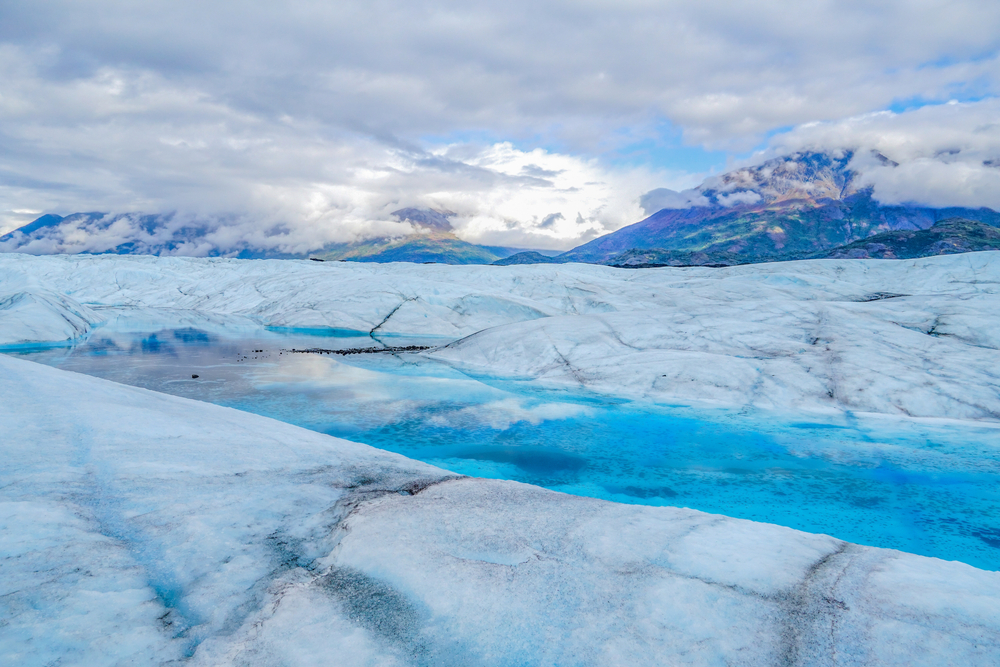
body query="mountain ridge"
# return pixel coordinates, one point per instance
(946, 237)
(433, 239)
(790, 207)
(785, 207)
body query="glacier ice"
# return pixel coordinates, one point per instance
(145, 528)
(922, 486)
(913, 337)
(40, 316)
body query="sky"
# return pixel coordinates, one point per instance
(539, 124)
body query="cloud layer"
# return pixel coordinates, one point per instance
(942, 155)
(324, 117)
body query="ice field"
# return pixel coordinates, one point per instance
(929, 487)
(854, 398)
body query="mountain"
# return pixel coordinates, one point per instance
(48, 220)
(433, 241)
(527, 257)
(168, 234)
(946, 237)
(126, 234)
(792, 207)
(640, 259)
(440, 247)
(788, 207)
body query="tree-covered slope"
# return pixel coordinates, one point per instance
(947, 237)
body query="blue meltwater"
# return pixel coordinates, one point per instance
(926, 487)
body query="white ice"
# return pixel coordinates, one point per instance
(815, 336)
(140, 528)
(144, 529)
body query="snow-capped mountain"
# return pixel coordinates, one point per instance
(786, 208)
(792, 207)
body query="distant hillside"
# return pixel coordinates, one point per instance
(125, 234)
(441, 247)
(947, 237)
(138, 234)
(788, 207)
(637, 259)
(954, 235)
(529, 257)
(433, 242)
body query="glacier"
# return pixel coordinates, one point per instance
(146, 528)
(914, 338)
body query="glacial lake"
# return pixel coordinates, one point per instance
(925, 487)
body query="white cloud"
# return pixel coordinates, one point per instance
(945, 155)
(739, 197)
(662, 198)
(541, 199)
(503, 414)
(323, 117)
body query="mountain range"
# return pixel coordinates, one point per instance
(787, 208)
(946, 237)
(434, 241)
(803, 205)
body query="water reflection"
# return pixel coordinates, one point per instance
(924, 487)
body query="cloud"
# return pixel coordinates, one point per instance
(661, 198)
(141, 142)
(740, 197)
(501, 415)
(550, 220)
(939, 155)
(321, 118)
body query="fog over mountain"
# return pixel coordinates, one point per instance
(789, 207)
(544, 125)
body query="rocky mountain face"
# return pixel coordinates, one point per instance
(946, 237)
(640, 259)
(786, 208)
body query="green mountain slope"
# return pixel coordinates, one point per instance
(433, 241)
(954, 235)
(947, 237)
(424, 246)
(527, 257)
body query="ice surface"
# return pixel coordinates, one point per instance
(141, 528)
(930, 487)
(810, 356)
(915, 338)
(30, 317)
